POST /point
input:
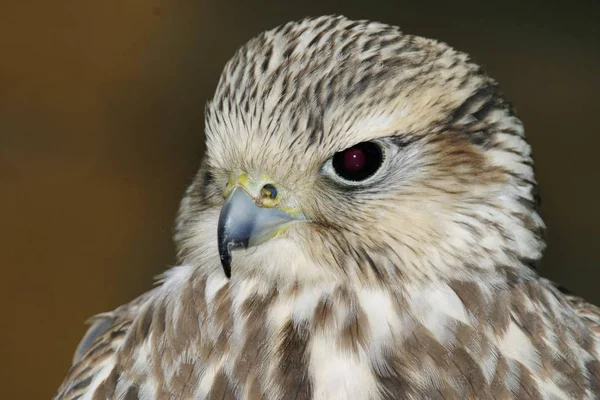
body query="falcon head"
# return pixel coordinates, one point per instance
(346, 151)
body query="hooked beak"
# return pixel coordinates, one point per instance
(243, 224)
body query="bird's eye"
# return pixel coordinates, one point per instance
(358, 162)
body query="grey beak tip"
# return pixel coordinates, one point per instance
(224, 251)
(226, 263)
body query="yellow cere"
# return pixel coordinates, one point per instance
(239, 180)
(256, 189)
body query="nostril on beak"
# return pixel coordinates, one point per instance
(269, 192)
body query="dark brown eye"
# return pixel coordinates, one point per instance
(359, 162)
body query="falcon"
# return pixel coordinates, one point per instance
(364, 225)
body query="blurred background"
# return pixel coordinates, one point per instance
(101, 129)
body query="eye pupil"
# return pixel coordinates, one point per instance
(354, 159)
(358, 162)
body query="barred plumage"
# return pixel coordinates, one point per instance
(414, 284)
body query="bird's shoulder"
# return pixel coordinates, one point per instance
(95, 355)
(587, 311)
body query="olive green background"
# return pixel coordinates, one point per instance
(101, 128)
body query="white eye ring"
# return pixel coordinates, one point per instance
(358, 165)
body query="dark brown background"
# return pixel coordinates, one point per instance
(101, 128)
